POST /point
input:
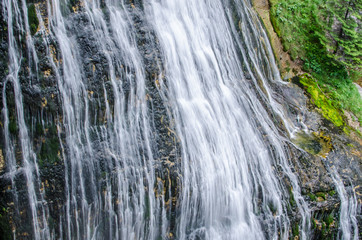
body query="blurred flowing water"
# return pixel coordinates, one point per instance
(214, 72)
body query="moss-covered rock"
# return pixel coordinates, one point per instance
(5, 228)
(295, 230)
(323, 102)
(50, 148)
(13, 127)
(33, 19)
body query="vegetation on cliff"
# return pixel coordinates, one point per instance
(33, 19)
(326, 36)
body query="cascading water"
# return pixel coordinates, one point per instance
(166, 126)
(349, 205)
(225, 162)
(28, 167)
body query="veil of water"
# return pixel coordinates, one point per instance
(214, 72)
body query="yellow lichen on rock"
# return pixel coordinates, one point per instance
(2, 161)
(44, 102)
(47, 73)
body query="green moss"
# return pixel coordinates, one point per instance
(39, 129)
(329, 220)
(316, 143)
(275, 26)
(272, 208)
(332, 193)
(322, 101)
(5, 228)
(103, 174)
(308, 142)
(32, 19)
(322, 195)
(312, 197)
(295, 230)
(291, 198)
(147, 207)
(314, 224)
(49, 151)
(324, 228)
(13, 127)
(50, 148)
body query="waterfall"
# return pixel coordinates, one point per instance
(28, 168)
(348, 222)
(226, 164)
(162, 117)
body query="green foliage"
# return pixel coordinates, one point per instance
(347, 48)
(332, 55)
(32, 19)
(330, 25)
(295, 22)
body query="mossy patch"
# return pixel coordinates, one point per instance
(13, 127)
(272, 208)
(5, 228)
(323, 102)
(292, 201)
(321, 195)
(50, 148)
(275, 26)
(39, 129)
(332, 193)
(312, 197)
(147, 206)
(329, 219)
(308, 142)
(32, 19)
(313, 143)
(295, 230)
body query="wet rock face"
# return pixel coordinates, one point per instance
(44, 115)
(3, 45)
(314, 154)
(3, 60)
